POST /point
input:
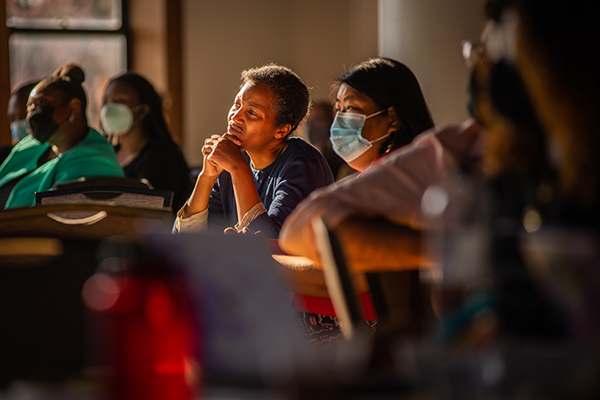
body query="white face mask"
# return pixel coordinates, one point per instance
(117, 118)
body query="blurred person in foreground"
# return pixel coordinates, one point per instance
(379, 108)
(132, 116)
(17, 111)
(556, 54)
(60, 147)
(533, 163)
(379, 217)
(374, 117)
(255, 174)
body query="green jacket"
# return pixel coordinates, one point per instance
(93, 156)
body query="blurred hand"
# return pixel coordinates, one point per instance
(244, 231)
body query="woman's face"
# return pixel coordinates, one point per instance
(121, 121)
(252, 116)
(119, 92)
(17, 108)
(43, 97)
(351, 100)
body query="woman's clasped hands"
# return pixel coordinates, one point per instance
(222, 153)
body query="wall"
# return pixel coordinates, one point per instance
(426, 35)
(148, 41)
(317, 39)
(4, 81)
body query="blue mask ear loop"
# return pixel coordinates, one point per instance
(382, 137)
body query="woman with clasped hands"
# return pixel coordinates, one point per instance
(255, 174)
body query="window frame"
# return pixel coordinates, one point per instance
(5, 70)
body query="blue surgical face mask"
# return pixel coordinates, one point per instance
(346, 138)
(18, 129)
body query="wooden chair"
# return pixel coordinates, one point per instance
(399, 297)
(83, 221)
(338, 281)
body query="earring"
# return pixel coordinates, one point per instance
(71, 118)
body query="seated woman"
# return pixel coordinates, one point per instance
(254, 175)
(61, 146)
(380, 107)
(17, 111)
(132, 116)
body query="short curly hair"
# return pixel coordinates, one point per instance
(293, 98)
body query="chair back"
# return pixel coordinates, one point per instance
(104, 181)
(337, 278)
(83, 221)
(399, 297)
(112, 190)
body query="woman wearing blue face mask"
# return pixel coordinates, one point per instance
(380, 107)
(132, 117)
(60, 146)
(17, 111)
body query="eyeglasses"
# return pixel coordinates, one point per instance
(472, 53)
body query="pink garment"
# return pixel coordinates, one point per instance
(394, 185)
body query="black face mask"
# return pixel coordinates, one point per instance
(40, 123)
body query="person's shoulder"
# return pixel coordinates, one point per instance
(296, 142)
(25, 151)
(432, 147)
(301, 154)
(303, 158)
(95, 138)
(461, 140)
(29, 142)
(93, 147)
(300, 147)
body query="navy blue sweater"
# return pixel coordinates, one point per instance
(298, 171)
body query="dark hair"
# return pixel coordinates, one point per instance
(390, 83)
(154, 125)
(292, 94)
(24, 90)
(67, 80)
(493, 9)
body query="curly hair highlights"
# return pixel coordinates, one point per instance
(292, 94)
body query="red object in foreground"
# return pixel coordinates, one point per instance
(153, 338)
